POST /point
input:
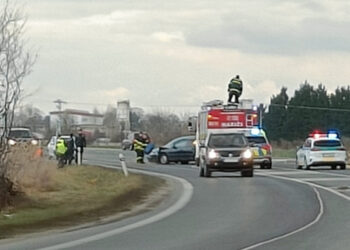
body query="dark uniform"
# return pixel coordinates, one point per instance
(235, 88)
(139, 147)
(80, 142)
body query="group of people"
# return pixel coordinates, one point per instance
(68, 150)
(142, 144)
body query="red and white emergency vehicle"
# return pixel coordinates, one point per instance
(215, 116)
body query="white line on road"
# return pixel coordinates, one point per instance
(179, 204)
(325, 179)
(314, 186)
(318, 217)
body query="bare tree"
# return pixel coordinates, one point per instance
(15, 64)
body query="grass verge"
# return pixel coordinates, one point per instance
(283, 153)
(75, 195)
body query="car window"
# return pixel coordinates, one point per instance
(227, 141)
(327, 143)
(307, 143)
(256, 139)
(181, 144)
(20, 134)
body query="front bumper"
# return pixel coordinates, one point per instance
(260, 160)
(223, 166)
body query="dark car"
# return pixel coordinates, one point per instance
(178, 150)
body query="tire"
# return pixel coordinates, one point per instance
(184, 162)
(262, 166)
(163, 159)
(334, 167)
(206, 171)
(268, 165)
(247, 173)
(307, 167)
(343, 166)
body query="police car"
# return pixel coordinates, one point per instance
(260, 147)
(321, 149)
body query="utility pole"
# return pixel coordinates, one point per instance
(59, 103)
(261, 111)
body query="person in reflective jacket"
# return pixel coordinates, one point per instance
(235, 88)
(61, 149)
(139, 147)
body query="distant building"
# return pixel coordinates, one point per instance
(71, 119)
(123, 115)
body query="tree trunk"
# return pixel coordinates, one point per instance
(5, 192)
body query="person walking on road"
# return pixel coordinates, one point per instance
(80, 143)
(140, 144)
(235, 88)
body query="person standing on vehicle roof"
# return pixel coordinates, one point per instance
(235, 88)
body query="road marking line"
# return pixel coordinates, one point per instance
(290, 172)
(318, 217)
(325, 179)
(179, 204)
(314, 186)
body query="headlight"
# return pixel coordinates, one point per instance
(12, 142)
(34, 142)
(212, 154)
(247, 154)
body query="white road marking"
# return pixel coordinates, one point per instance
(314, 186)
(325, 179)
(296, 172)
(318, 217)
(179, 204)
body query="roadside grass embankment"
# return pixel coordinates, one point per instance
(51, 198)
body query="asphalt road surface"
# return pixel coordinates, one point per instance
(281, 208)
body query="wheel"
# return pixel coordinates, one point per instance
(334, 167)
(343, 166)
(163, 159)
(197, 162)
(296, 163)
(268, 165)
(247, 173)
(307, 167)
(262, 165)
(206, 171)
(184, 162)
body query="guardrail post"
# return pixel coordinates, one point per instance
(124, 167)
(79, 156)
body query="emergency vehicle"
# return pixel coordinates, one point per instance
(321, 149)
(215, 116)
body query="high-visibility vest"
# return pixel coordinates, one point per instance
(61, 147)
(235, 85)
(139, 146)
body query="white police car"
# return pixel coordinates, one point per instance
(321, 150)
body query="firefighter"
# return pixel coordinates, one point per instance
(235, 88)
(139, 146)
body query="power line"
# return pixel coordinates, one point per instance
(310, 107)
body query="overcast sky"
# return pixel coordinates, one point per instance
(183, 52)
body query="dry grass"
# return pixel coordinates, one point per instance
(49, 197)
(29, 172)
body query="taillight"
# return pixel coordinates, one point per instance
(267, 147)
(315, 149)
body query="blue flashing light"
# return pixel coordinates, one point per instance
(333, 134)
(255, 131)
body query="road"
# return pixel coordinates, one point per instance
(281, 208)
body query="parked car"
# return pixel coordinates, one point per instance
(180, 149)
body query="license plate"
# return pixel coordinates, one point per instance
(328, 158)
(328, 155)
(231, 159)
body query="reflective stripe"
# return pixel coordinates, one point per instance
(234, 90)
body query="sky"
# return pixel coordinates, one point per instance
(179, 54)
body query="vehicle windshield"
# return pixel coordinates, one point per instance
(256, 139)
(227, 141)
(327, 143)
(20, 134)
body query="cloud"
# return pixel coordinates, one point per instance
(168, 37)
(117, 93)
